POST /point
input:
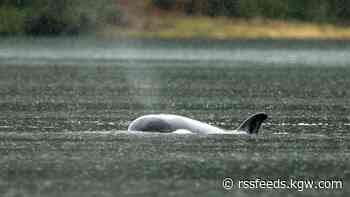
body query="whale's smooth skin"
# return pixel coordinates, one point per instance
(169, 123)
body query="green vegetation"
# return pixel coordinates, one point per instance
(166, 18)
(329, 11)
(12, 20)
(39, 17)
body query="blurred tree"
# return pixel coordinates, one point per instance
(165, 4)
(223, 7)
(341, 9)
(56, 16)
(68, 16)
(200, 6)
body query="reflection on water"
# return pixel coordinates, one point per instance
(72, 51)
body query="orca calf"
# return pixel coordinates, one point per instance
(168, 123)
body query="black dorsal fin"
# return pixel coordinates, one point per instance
(253, 123)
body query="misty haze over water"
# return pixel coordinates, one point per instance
(91, 51)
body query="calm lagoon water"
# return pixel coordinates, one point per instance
(65, 104)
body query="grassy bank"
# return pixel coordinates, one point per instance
(174, 26)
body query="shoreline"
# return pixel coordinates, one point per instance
(223, 28)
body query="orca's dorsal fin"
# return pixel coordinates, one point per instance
(253, 123)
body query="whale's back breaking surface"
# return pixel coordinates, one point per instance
(150, 123)
(166, 123)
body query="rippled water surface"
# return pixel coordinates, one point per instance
(65, 104)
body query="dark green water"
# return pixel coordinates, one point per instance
(64, 104)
